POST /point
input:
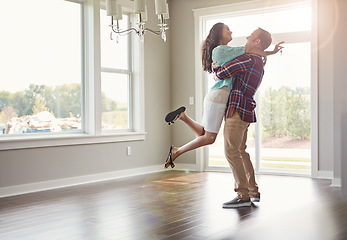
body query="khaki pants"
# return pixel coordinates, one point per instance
(235, 137)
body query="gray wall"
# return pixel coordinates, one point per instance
(169, 82)
(339, 95)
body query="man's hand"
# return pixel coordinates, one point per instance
(215, 77)
(214, 66)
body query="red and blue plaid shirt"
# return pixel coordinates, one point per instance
(248, 71)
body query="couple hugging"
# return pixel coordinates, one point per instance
(238, 72)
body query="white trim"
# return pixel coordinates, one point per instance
(218, 169)
(251, 7)
(324, 174)
(314, 90)
(115, 70)
(73, 181)
(68, 140)
(92, 108)
(336, 182)
(138, 82)
(199, 93)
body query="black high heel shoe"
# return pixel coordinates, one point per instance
(171, 117)
(169, 157)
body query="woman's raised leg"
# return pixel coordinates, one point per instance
(194, 126)
(203, 140)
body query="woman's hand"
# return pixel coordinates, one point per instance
(278, 47)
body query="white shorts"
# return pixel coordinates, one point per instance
(215, 103)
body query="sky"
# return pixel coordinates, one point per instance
(41, 43)
(40, 47)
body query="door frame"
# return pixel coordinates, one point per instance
(261, 6)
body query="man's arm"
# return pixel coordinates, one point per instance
(232, 68)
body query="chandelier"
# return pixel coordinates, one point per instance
(114, 10)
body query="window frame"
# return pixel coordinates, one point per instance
(129, 72)
(91, 90)
(200, 16)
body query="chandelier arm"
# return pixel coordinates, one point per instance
(153, 31)
(127, 31)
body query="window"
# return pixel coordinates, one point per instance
(63, 81)
(41, 67)
(116, 76)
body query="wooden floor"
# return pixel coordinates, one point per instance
(177, 205)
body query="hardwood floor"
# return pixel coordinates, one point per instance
(177, 205)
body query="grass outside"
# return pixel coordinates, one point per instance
(269, 162)
(115, 120)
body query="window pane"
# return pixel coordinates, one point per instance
(41, 67)
(280, 141)
(113, 54)
(285, 114)
(290, 20)
(115, 101)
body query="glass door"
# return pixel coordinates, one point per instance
(280, 141)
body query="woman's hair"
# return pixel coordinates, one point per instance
(209, 44)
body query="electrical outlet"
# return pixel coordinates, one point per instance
(191, 100)
(128, 151)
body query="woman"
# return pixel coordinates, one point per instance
(214, 49)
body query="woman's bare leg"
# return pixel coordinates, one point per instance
(194, 126)
(203, 140)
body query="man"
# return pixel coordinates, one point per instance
(247, 71)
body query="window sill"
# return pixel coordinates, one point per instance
(20, 142)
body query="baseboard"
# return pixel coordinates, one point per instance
(336, 182)
(325, 174)
(73, 181)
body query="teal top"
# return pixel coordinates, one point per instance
(223, 54)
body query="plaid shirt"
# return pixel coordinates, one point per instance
(248, 71)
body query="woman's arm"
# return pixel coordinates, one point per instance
(266, 53)
(276, 49)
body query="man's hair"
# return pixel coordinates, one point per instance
(265, 38)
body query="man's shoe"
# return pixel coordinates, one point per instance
(235, 203)
(255, 199)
